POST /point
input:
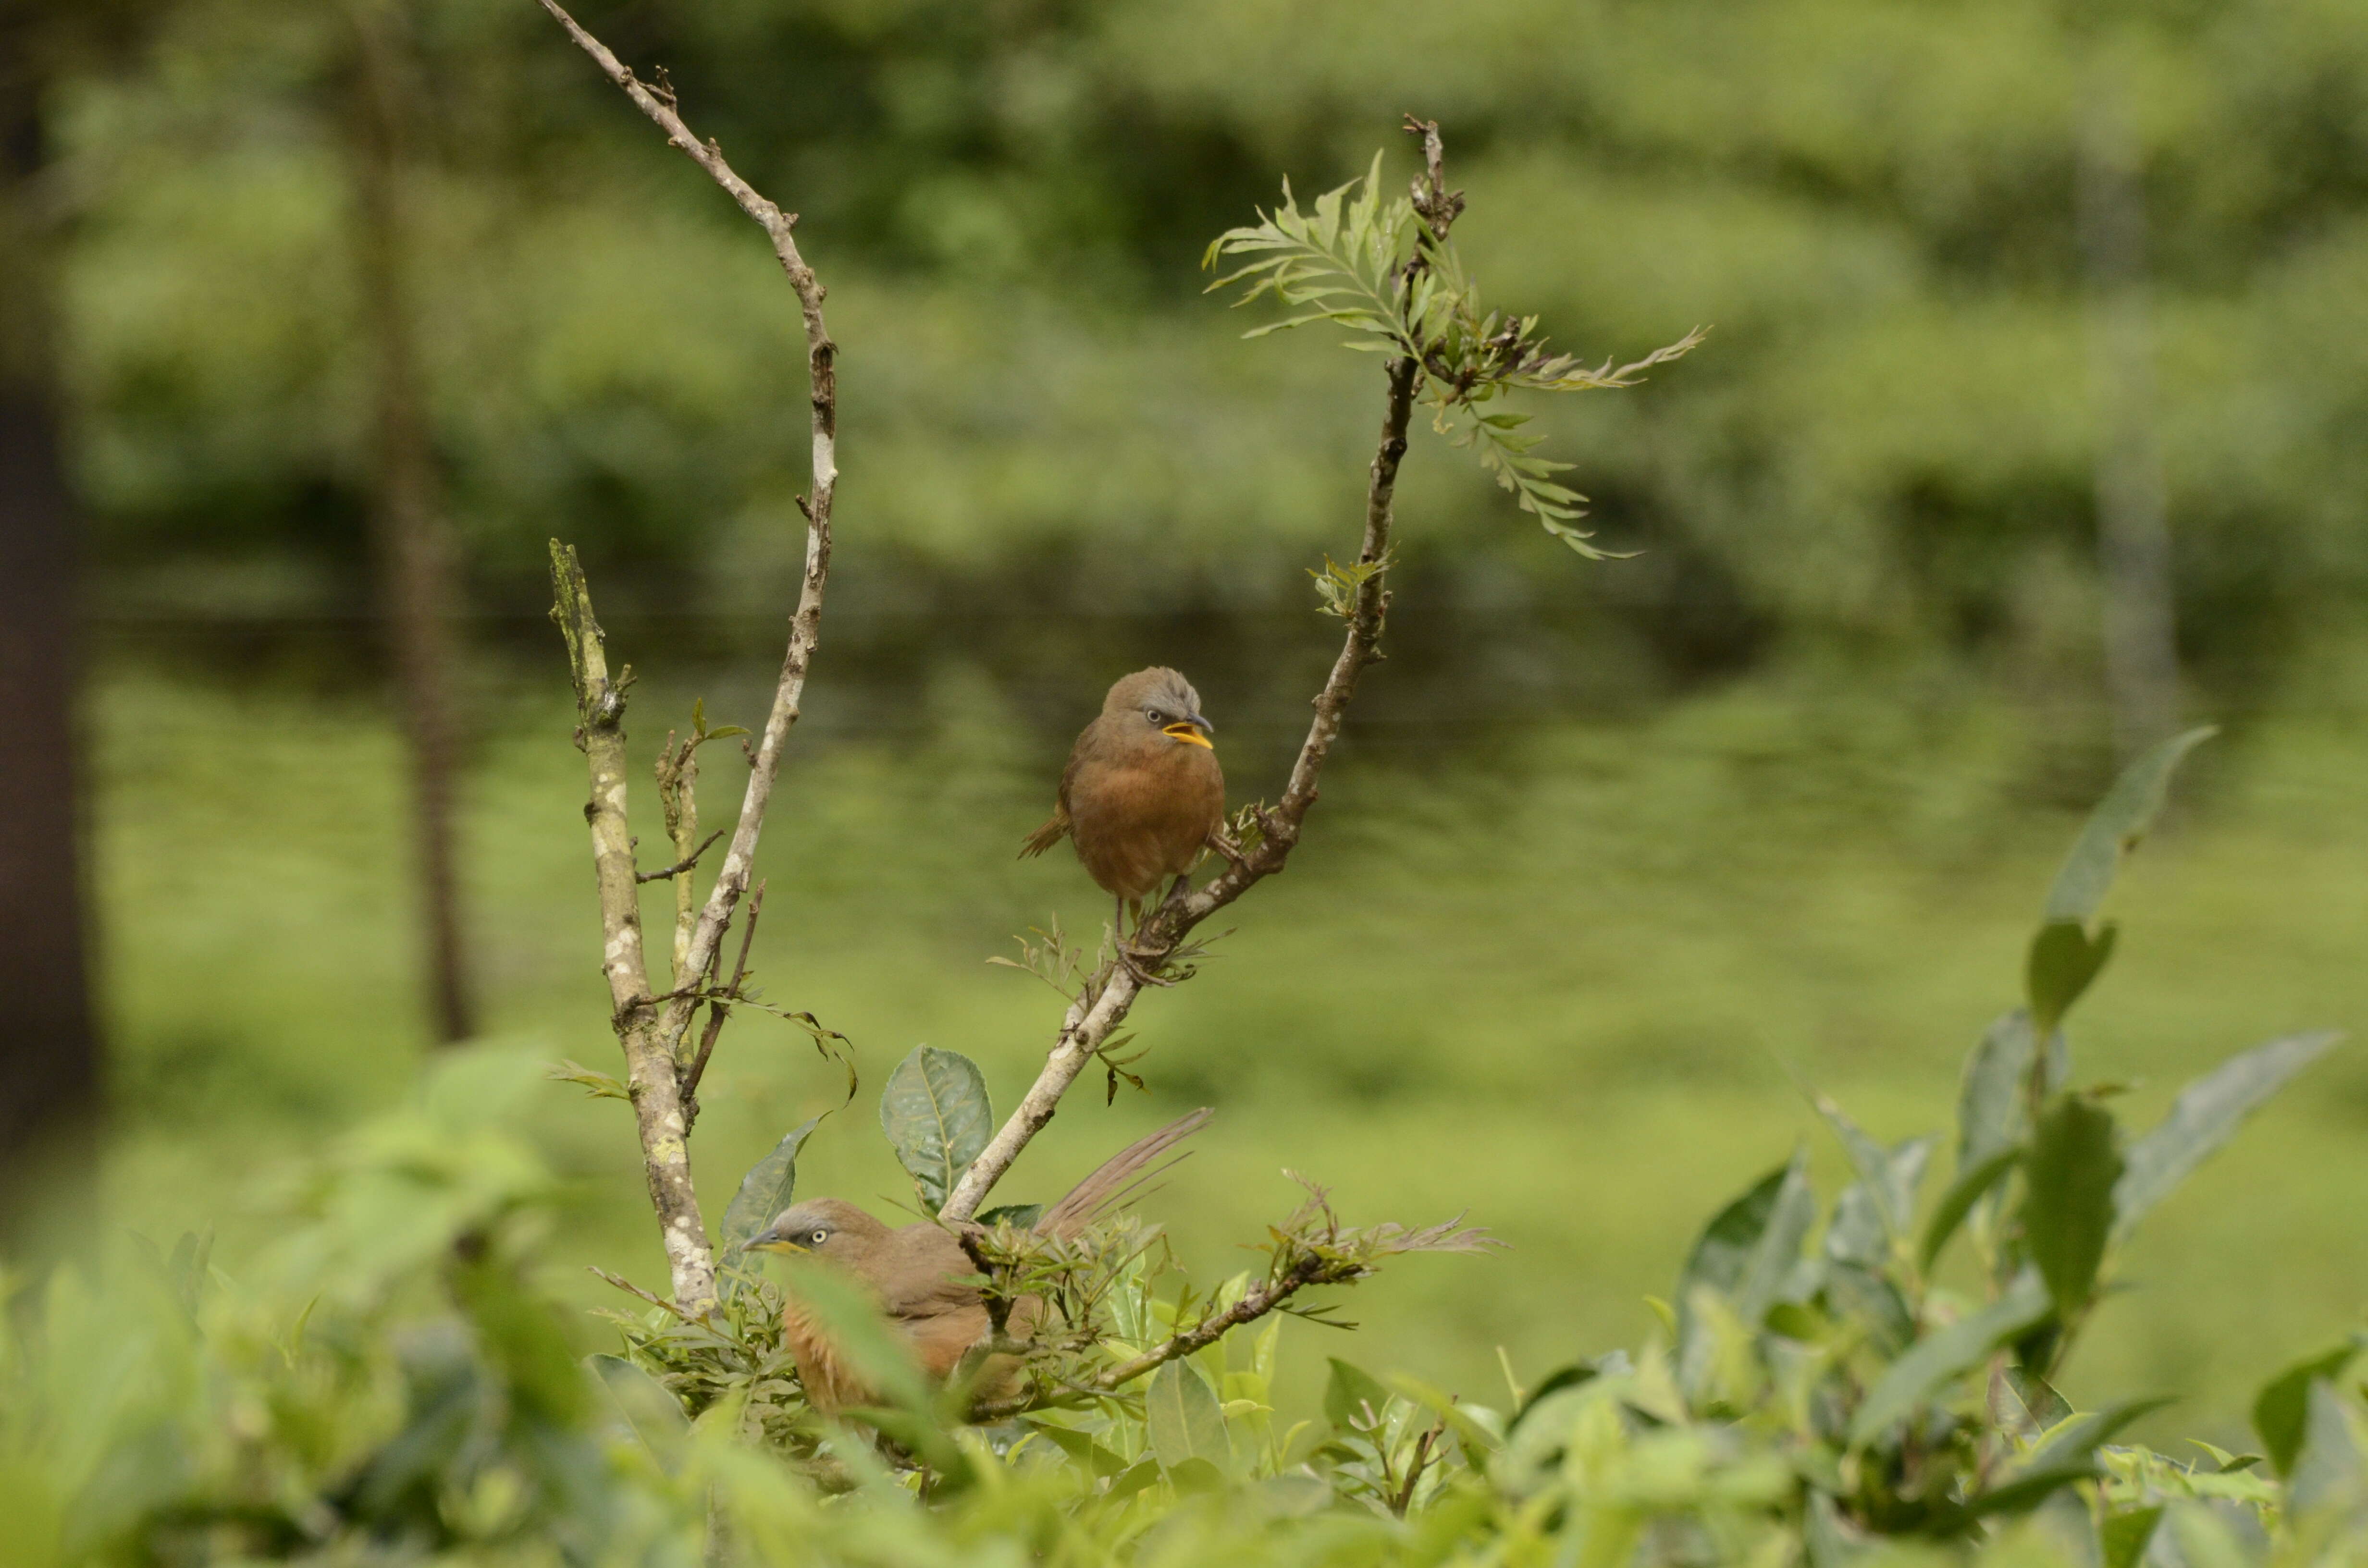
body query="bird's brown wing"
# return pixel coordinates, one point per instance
(920, 1277)
(1087, 1200)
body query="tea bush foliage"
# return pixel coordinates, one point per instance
(387, 1382)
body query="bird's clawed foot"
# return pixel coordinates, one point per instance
(1132, 961)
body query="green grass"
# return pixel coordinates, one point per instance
(1559, 985)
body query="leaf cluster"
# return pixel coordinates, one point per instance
(1386, 272)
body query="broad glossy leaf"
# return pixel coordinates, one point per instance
(2067, 1206)
(935, 1114)
(2114, 828)
(1937, 1358)
(2281, 1409)
(1018, 1215)
(765, 1191)
(1185, 1421)
(2063, 961)
(2206, 1114)
(1958, 1201)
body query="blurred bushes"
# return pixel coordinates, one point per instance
(1887, 437)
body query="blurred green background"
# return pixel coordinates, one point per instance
(1609, 850)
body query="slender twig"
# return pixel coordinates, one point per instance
(1100, 1010)
(651, 1297)
(651, 1040)
(679, 866)
(717, 1011)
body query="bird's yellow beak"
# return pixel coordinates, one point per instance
(771, 1242)
(1188, 732)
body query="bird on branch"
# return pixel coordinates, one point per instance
(918, 1277)
(1143, 795)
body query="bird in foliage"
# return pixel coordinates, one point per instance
(1143, 793)
(919, 1277)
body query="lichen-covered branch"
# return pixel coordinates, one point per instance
(805, 625)
(1100, 1008)
(652, 1081)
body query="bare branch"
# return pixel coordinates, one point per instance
(653, 1030)
(719, 1010)
(679, 866)
(805, 625)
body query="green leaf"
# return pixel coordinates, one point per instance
(2330, 1477)
(765, 1191)
(1966, 1191)
(1992, 1101)
(2281, 1409)
(1353, 1398)
(2122, 1537)
(2206, 1114)
(2063, 960)
(1752, 1244)
(2067, 1206)
(1184, 1420)
(2114, 828)
(1019, 1216)
(936, 1117)
(1079, 1447)
(1938, 1357)
(2068, 1457)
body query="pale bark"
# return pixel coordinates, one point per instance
(650, 1079)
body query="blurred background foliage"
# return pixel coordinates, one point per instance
(1607, 845)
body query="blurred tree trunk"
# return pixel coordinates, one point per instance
(413, 546)
(2133, 529)
(49, 1059)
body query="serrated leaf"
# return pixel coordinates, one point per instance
(2114, 828)
(2067, 1207)
(935, 1112)
(765, 1191)
(2205, 1115)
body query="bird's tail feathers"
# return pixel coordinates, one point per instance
(1044, 837)
(1118, 1176)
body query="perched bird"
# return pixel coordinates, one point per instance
(915, 1275)
(1143, 792)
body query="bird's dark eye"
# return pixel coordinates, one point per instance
(1154, 715)
(820, 1237)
